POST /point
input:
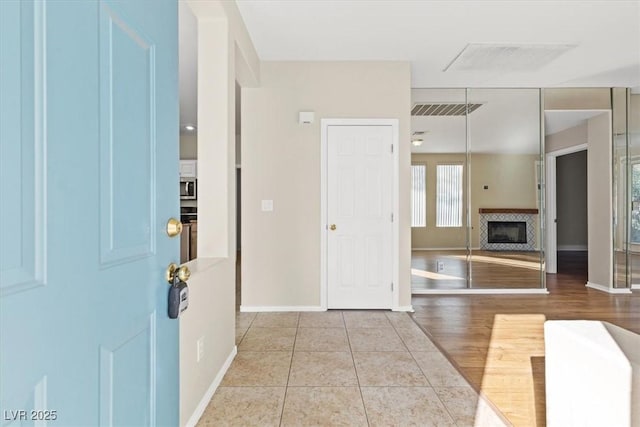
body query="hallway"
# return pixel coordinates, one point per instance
(341, 368)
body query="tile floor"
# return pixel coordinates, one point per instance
(341, 368)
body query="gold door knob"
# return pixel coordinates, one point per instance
(332, 227)
(174, 227)
(172, 270)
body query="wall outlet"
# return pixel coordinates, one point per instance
(440, 266)
(199, 349)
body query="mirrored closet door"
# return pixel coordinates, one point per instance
(476, 189)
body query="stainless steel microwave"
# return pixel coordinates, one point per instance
(188, 188)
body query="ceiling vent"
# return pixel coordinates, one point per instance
(506, 57)
(448, 109)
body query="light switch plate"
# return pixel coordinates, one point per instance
(267, 205)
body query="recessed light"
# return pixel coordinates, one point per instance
(189, 128)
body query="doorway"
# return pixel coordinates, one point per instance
(238, 149)
(571, 211)
(566, 137)
(358, 210)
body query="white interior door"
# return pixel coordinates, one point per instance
(359, 216)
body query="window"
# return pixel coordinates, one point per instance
(449, 196)
(418, 196)
(635, 203)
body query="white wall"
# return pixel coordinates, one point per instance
(281, 162)
(225, 53)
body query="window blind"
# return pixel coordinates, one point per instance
(418, 196)
(449, 196)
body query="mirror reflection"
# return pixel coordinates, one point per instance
(476, 187)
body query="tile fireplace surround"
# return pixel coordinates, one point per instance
(508, 215)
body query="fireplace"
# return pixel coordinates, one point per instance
(506, 232)
(508, 229)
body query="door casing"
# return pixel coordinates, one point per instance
(551, 226)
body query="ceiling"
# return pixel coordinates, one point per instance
(558, 120)
(605, 36)
(507, 122)
(601, 41)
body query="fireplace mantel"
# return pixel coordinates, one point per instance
(508, 211)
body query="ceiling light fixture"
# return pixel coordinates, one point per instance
(417, 142)
(189, 128)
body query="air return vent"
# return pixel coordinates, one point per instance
(506, 57)
(448, 109)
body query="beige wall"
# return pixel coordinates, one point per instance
(571, 197)
(577, 99)
(511, 182)
(281, 162)
(599, 200)
(225, 54)
(571, 137)
(188, 146)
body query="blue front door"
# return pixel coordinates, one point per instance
(88, 180)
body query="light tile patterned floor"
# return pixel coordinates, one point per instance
(351, 368)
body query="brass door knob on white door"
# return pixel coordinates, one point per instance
(332, 227)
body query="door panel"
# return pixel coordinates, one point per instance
(126, 378)
(127, 157)
(22, 262)
(89, 152)
(359, 204)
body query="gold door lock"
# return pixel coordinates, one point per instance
(332, 227)
(174, 227)
(183, 273)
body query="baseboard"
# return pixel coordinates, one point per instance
(573, 248)
(440, 249)
(477, 291)
(635, 287)
(269, 308)
(407, 308)
(254, 309)
(607, 289)
(197, 413)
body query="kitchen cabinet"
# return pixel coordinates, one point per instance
(193, 244)
(185, 243)
(189, 242)
(188, 168)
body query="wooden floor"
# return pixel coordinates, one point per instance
(488, 269)
(497, 341)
